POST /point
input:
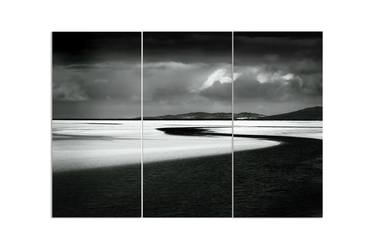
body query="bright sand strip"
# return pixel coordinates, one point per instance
(93, 144)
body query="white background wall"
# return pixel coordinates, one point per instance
(25, 84)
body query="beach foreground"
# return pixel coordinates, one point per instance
(98, 192)
(279, 181)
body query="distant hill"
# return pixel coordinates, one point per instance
(193, 116)
(311, 113)
(248, 115)
(206, 116)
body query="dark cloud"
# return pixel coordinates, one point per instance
(171, 87)
(188, 47)
(96, 75)
(219, 92)
(281, 71)
(69, 91)
(178, 66)
(91, 47)
(271, 47)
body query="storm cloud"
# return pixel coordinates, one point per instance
(96, 75)
(279, 71)
(274, 72)
(180, 67)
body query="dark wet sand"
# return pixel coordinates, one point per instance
(104, 192)
(198, 187)
(280, 181)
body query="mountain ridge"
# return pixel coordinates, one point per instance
(310, 113)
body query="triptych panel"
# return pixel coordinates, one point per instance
(187, 124)
(187, 171)
(96, 127)
(278, 124)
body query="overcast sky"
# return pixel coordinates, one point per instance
(277, 72)
(181, 68)
(97, 75)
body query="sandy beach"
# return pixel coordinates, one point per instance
(278, 181)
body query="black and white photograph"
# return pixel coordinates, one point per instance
(96, 127)
(278, 124)
(187, 124)
(187, 99)
(198, 124)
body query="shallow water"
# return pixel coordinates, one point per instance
(91, 144)
(308, 129)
